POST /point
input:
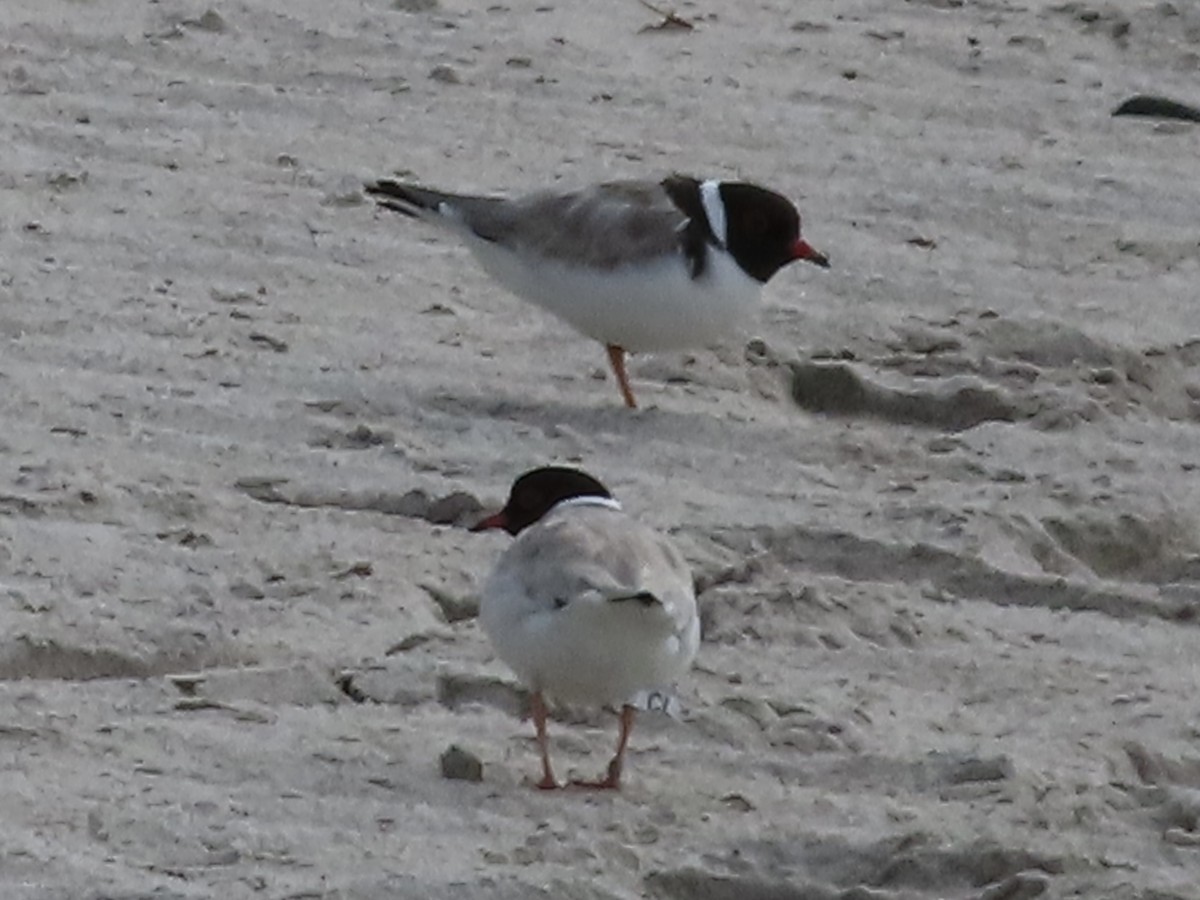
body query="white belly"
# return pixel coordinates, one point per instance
(643, 307)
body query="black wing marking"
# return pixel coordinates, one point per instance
(646, 598)
(696, 235)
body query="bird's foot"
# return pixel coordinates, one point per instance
(610, 782)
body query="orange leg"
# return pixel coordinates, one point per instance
(612, 780)
(616, 359)
(548, 782)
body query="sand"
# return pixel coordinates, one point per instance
(943, 502)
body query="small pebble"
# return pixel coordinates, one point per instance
(211, 21)
(461, 765)
(445, 74)
(1181, 837)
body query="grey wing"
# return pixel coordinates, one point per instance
(669, 578)
(603, 226)
(598, 565)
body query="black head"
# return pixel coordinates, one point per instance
(762, 230)
(535, 492)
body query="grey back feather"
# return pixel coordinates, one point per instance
(603, 226)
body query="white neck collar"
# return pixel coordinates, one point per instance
(591, 500)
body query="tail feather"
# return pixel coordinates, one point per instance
(408, 199)
(487, 218)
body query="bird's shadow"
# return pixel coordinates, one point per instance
(613, 419)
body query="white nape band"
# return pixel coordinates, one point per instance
(714, 209)
(593, 500)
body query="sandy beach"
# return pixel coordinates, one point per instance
(942, 502)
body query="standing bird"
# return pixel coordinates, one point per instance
(587, 605)
(636, 265)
